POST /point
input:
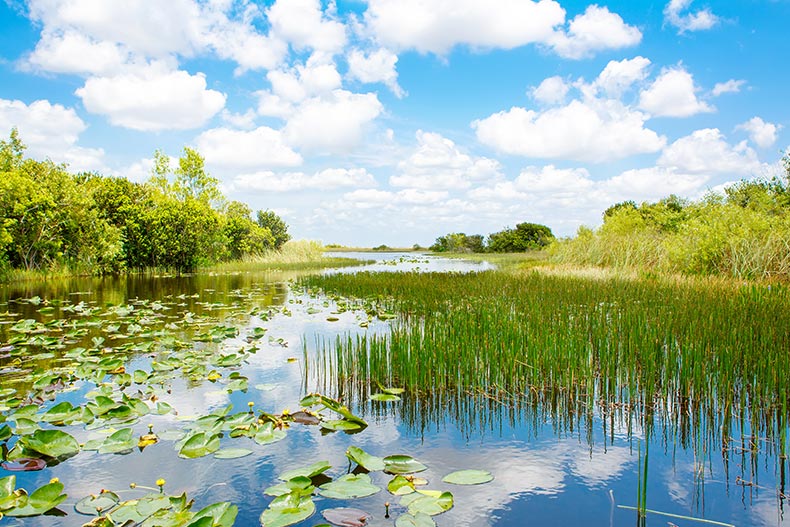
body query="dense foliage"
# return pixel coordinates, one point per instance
(744, 233)
(524, 237)
(52, 219)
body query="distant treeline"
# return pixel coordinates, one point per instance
(53, 220)
(744, 233)
(524, 237)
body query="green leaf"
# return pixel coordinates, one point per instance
(42, 500)
(468, 477)
(95, 505)
(402, 464)
(430, 504)
(232, 453)
(268, 433)
(319, 467)
(348, 487)
(199, 445)
(301, 484)
(384, 397)
(415, 520)
(400, 486)
(121, 441)
(341, 425)
(221, 514)
(362, 458)
(287, 510)
(52, 443)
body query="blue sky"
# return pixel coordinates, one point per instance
(396, 121)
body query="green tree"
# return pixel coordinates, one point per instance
(268, 219)
(244, 236)
(525, 237)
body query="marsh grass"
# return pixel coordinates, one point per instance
(295, 255)
(701, 367)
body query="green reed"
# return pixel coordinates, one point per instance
(694, 363)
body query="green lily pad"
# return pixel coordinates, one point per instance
(348, 487)
(221, 514)
(428, 503)
(341, 425)
(40, 501)
(415, 520)
(119, 442)
(363, 459)
(301, 484)
(319, 467)
(468, 477)
(52, 443)
(268, 433)
(95, 505)
(402, 464)
(232, 453)
(199, 445)
(384, 397)
(287, 510)
(400, 486)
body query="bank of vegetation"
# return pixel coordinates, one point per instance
(743, 233)
(524, 237)
(56, 222)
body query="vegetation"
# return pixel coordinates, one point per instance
(524, 237)
(744, 233)
(52, 220)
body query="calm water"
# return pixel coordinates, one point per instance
(549, 470)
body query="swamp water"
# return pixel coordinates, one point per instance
(140, 351)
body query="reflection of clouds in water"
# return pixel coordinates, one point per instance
(767, 513)
(596, 468)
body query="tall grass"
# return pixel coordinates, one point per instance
(293, 255)
(697, 365)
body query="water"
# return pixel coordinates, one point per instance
(548, 470)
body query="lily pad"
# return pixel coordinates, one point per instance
(287, 510)
(402, 464)
(348, 487)
(468, 477)
(119, 442)
(384, 397)
(400, 486)
(319, 467)
(52, 443)
(42, 500)
(415, 520)
(268, 433)
(365, 460)
(24, 464)
(199, 445)
(232, 453)
(346, 517)
(428, 504)
(300, 484)
(221, 514)
(95, 505)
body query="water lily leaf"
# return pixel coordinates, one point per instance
(468, 477)
(40, 501)
(287, 510)
(384, 397)
(300, 484)
(199, 445)
(402, 464)
(61, 413)
(221, 514)
(341, 425)
(430, 505)
(5, 433)
(268, 433)
(304, 418)
(94, 505)
(232, 453)
(119, 442)
(348, 487)
(24, 464)
(400, 486)
(346, 517)
(319, 467)
(362, 458)
(415, 520)
(52, 443)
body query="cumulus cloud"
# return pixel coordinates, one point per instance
(304, 24)
(654, 183)
(761, 133)
(73, 52)
(152, 99)
(327, 179)
(332, 123)
(619, 76)
(677, 13)
(369, 198)
(594, 30)
(262, 147)
(673, 94)
(552, 90)
(706, 152)
(731, 86)
(593, 130)
(375, 66)
(437, 163)
(50, 131)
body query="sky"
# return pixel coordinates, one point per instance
(396, 121)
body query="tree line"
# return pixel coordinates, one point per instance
(88, 223)
(524, 237)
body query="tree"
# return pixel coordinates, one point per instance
(525, 237)
(268, 219)
(244, 236)
(189, 180)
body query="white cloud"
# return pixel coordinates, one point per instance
(370, 198)
(673, 94)
(696, 21)
(618, 76)
(761, 133)
(375, 66)
(550, 179)
(594, 30)
(333, 122)
(731, 86)
(305, 26)
(258, 148)
(245, 121)
(50, 131)
(651, 184)
(437, 163)
(327, 179)
(706, 152)
(72, 52)
(552, 90)
(152, 99)
(593, 130)
(436, 26)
